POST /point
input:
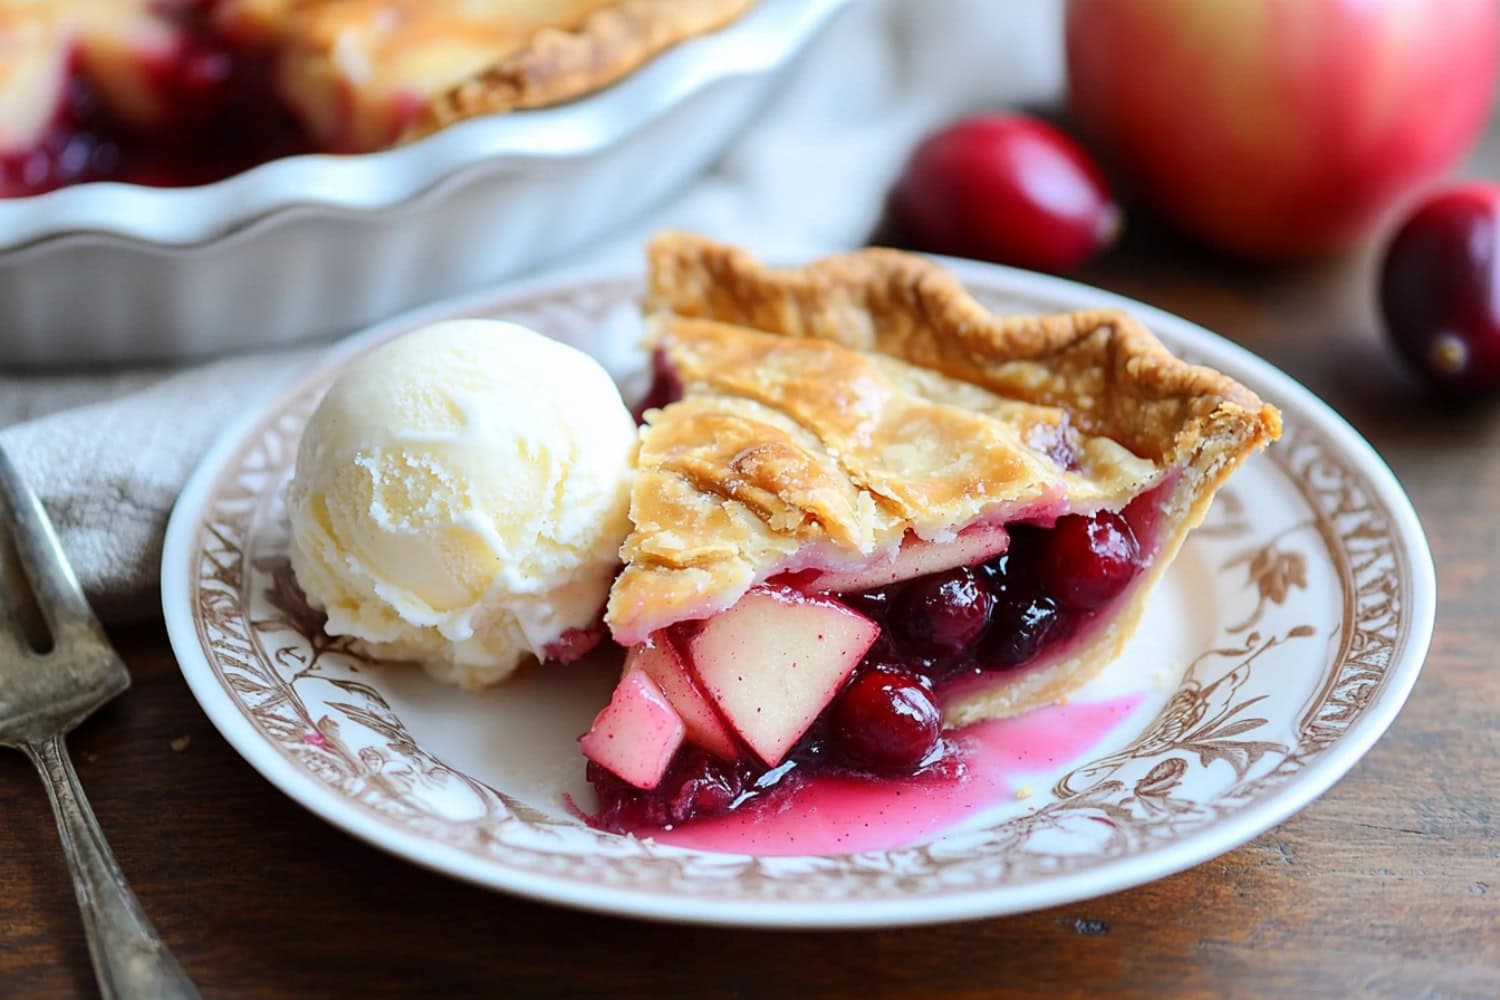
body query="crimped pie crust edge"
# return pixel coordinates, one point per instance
(558, 65)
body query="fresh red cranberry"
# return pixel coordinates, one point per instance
(1018, 630)
(1006, 188)
(943, 612)
(1440, 289)
(1089, 560)
(886, 720)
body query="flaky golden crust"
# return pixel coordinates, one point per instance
(829, 411)
(1106, 369)
(559, 65)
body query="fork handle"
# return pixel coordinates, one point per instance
(129, 959)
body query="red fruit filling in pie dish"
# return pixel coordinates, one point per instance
(867, 511)
(179, 92)
(211, 115)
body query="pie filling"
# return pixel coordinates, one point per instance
(212, 111)
(797, 679)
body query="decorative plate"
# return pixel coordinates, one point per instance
(1279, 647)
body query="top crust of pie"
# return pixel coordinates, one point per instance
(359, 75)
(560, 63)
(829, 410)
(1110, 373)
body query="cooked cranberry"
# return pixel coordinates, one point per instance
(1089, 560)
(907, 666)
(875, 604)
(700, 784)
(944, 612)
(900, 656)
(696, 784)
(1017, 565)
(1018, 629)
(204, 68)
(884, 650)
(993, 571)
(620, 806)
(666, 386)
(1004, 573)
(886, 721)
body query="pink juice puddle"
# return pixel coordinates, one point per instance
(841, 814)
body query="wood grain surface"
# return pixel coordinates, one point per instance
(1388, 886)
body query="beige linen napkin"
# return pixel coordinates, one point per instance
(108, 454)
(108, 470)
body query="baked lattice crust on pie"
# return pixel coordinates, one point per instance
(834, 413)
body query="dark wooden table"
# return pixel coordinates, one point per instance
(1389, 885)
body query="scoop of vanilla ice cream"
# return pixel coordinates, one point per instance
(460, 498)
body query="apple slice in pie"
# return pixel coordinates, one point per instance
(863, 502)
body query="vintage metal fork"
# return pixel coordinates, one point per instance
(49, 683)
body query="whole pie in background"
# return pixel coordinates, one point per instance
(174, 92)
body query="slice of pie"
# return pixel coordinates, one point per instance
(862, 499)
(173, 92)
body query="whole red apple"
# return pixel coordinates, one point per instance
(1281, 127)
